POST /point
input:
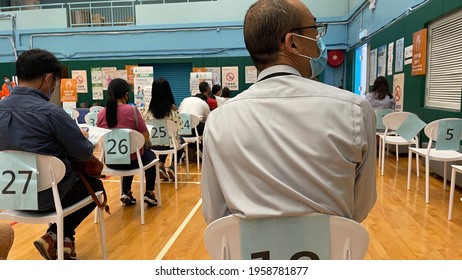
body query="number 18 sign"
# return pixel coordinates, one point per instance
(18, 181)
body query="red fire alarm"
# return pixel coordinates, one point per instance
(335, 57)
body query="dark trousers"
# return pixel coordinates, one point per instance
(74, 195)
(149, 173)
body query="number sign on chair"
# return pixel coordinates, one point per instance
(18, 181)
(91, 118)
(186, 128)
(158, 132)
(380, 114)
(117, 143)
(262, 238)
(410, 127)
(448, 135)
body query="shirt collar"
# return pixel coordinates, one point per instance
(29, 90)
(276, 69)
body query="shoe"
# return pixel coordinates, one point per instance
(150, 198)
(163, 175)
(6, 237)
(69, 249)
(171, 173)
(46, 245)
(127, 198)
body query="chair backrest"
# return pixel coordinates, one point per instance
(136, 140)
(380, 113)
(189, 122)
(161, 130)
(444, 130)
(346, 238)
(406, 124)
(50, 170)
(91, 118)
(96, 109)
(395, 119)
(73, 113)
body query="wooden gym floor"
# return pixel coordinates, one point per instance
(401, 226)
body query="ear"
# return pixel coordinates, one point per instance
(290, 44)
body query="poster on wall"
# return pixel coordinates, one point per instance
(419, 52)
(68, 90)
(130, 76)
(372, 67)
(122, 74)
(81, 77)
(143, 77)
(408, 55)
(97, 83)
(390, 59)
(230, 76)
(381, 60)
(250, 74)
(108, 73)
(216, 75)
(196, 78)
(399, 55)
(398, 90)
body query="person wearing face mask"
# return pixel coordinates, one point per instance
(30, 123)
(7, 87)
(291, 145)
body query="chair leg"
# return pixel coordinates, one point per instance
(380, 151)
(142, 190)
(159, 196)
(383, 156)
(60, 237)
(197, 155)
(451, 194)
(427, 180)
(187, 162)
(176, 171)
(102, 231)
(444, 176)
(397, 152)
(409, 166)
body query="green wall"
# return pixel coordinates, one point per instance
(241, 62)
(414, 86)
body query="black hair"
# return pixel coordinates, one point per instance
(203, 87)
(162, 99)
(225, 92)
(381, 88)
(201, 96)
(215, 89)
(35, 63)
(117, 89)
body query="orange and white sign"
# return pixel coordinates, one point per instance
(130, 74)
(419, 52)
(68, 90)
(81, 78)
(230, 77)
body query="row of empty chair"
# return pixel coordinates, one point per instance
(444, 136)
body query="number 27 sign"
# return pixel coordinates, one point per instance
(18, 181)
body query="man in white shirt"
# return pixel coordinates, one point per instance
(196, 105)
(288, 145)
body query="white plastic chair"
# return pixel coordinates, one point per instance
(136, 144)
(96, 109)
(455, 169)
(50, 171)
(380, 128)
(170, 130)
(347, 238)
(186, 132)
(431, 153)
(91, 118)
(392, 122)
(74, 114)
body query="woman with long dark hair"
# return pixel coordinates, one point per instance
(381, 97)
(119, 114)
(162, 106)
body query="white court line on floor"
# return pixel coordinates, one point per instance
(178, 231)
(162, 182)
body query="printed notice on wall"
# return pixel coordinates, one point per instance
(230, 77)
(372, 67)
(96, 83)
(381, 61)
(399, 55)
(419, 52)
(390, 59)
(250, 74)
(81, 77)
(398, 90)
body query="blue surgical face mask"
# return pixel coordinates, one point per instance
(317, 63)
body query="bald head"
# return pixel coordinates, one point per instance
(265, 23)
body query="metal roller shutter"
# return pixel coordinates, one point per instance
(444, 77)
(177, 74)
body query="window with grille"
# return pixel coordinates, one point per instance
(444, 70)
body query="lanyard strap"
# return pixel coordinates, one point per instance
(277, 74)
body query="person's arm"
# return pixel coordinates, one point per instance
(70, 136)
(365, 193)
(213, 203)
